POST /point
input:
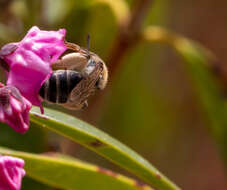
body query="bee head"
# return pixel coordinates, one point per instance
(95, 63)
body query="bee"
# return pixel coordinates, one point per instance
(75, 77)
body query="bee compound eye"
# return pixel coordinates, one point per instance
(90, 67)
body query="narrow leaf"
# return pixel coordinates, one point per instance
(68, 173)
(103, 144)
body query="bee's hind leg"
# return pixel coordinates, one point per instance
(75, 106)
(71, 61)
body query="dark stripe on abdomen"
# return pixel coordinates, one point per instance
(63, 87)
(73, 78)
(42, 90)
(59, 86)
(68, 80)
(52, 90)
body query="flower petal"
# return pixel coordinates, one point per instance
(30, 63)
(14, 110)
(11, 173)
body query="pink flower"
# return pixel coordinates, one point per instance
(11, 173)
(14, 108)
(30, 59)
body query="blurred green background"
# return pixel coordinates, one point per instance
(150, 103)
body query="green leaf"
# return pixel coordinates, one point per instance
(103, 144)
(67, 173)
(199, 63)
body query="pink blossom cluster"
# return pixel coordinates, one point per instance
(11, 173)
(27, 64)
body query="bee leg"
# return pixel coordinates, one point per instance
(71, 61)
(72, 46)
(85, 105)
(75, 48)
(73, 106)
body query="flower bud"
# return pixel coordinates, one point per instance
(11, 172)
(14, 108)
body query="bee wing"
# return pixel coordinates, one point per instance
(86, 87)
(71, 61)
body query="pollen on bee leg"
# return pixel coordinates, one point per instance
(72, 61)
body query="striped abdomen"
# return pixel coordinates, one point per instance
(59, 86)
